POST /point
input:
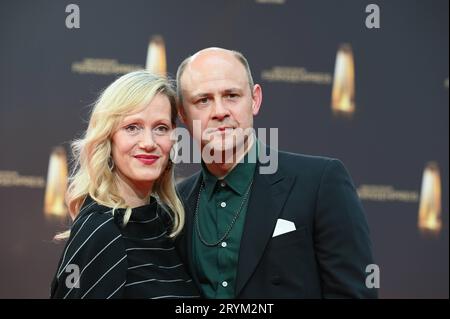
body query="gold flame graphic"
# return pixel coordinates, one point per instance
(430, 200)
(343, 94)
(55, 191)
(156, 56)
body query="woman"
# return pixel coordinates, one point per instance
(123, 201)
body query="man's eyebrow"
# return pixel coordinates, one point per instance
(232, 90)
(205, 94)
(199, 95)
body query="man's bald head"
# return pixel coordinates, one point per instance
(211, 53)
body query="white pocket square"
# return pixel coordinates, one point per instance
(282, 227)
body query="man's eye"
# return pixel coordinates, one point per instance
(232, 96)
(202, 100)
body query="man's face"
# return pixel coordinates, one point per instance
(216, 93)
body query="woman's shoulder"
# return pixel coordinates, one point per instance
(93, 228)
(96, 248)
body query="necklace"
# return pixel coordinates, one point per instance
(236, 215)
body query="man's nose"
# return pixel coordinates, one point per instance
(220, 111)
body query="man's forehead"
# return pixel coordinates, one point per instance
(212, 70)
(196, 84)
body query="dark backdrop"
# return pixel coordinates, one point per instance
(400, 121)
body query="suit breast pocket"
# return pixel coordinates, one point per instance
(291, 238)
(288, 261)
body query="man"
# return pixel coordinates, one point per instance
(297, 233)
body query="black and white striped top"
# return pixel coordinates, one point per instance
(104, 260)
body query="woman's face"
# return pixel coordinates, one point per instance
(141, 145)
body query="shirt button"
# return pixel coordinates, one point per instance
(223, 204)
(223, 184)
(224, 284)
(224, 244)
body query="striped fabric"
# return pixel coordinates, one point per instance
(104, 260)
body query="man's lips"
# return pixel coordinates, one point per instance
(217, 131)
(147, 159)
(221, 130)
(224, 128)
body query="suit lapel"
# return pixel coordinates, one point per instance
(266, 201)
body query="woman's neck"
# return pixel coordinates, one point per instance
(134, 194)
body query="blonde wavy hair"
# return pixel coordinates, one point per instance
(92, 175)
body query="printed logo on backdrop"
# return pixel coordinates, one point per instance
(10, 178)
(55, 185)
(294, 74)
(57, 181)
(103, 66)
(343, 91)
(342, 81)
(429, 220)
(387, 193)
(156, 56)
(155, 62)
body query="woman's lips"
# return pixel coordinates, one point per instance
(147, 159)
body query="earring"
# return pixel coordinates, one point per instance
(169, 165)
(173, 152)
(110, 163)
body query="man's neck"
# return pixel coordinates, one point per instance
(220, 170)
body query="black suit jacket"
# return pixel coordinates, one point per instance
(325, 257)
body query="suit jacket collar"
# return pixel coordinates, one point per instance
(266, 201)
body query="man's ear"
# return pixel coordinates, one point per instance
(257, 99)
(181, 114)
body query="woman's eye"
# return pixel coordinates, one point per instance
(162, 129)
(133, 128)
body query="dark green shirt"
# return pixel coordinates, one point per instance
(219, 202)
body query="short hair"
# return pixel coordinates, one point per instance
(238, 55)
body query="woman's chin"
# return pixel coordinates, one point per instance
(147, 175)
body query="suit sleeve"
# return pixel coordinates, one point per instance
(342, 243)
(94, 263)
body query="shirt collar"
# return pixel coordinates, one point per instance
(238, 178)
